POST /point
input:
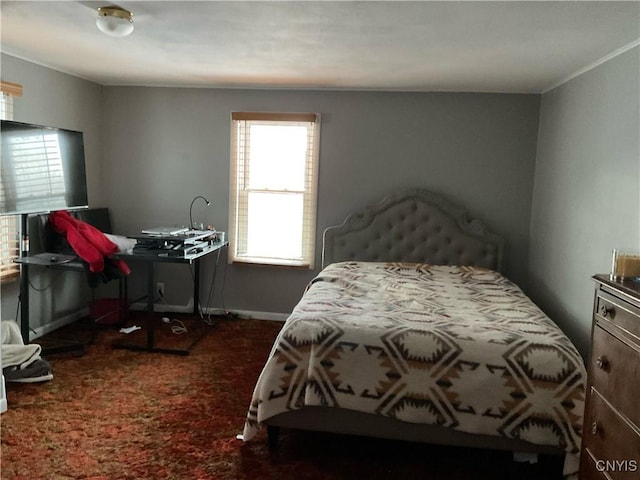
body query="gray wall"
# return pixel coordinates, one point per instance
(165, 145)
(55, 99)
(586, 198)
(151, 150)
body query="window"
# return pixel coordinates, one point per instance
(8, 248)
(274, 164)
(8, 224)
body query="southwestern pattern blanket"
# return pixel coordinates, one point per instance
(459, 347)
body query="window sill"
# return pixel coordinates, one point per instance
(12, 277)
(273, 263)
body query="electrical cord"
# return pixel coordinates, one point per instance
(209, 320)
(178, 329)
(18, 307)
(55, 278)
(224, 277)
(162, 299)
(177, 326)
(210, 297)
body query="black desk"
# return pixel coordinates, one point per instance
(69, 262)
(54, 261)
(151, 260)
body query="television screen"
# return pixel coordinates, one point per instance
(41, 169)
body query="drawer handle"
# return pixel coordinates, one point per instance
(594, 428)
(606, 311)
(602, 362)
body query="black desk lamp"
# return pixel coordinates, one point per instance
(191, 208)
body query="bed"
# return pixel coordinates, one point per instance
(411, 332)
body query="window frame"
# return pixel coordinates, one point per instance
(239, 188)
(9, 237)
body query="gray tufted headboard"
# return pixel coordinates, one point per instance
(413, 226)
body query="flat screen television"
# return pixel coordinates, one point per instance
(42, 169)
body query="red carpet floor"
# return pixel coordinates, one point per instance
(117, 414)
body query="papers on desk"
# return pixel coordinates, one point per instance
(185, 235)
(165, 230)
(193, 237)
(185, 244)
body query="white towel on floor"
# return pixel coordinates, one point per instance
(14, 351)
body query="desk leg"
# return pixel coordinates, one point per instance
(25, 328)
(196, 287)
(24, 303)
(66, 346)
(151, 296)
(24, 279)
(124, 299)
(150, 322)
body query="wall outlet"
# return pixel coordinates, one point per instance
(160, 289)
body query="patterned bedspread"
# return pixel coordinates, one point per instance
(459, 347)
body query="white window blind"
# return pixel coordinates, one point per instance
(274, 165)
(8, 248)
(36, 162)
(9, 245)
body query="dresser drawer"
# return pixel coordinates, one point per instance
(611, 441)
(619, 312)
(615, 373)
(588, 469)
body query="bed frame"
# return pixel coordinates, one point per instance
(410, 226)
(413, 226)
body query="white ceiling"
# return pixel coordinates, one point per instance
(476, 46)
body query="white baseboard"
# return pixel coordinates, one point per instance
(160, 308)
(273, 316)
(166, 308)
(61, 322)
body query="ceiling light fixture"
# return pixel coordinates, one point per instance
(115, 21)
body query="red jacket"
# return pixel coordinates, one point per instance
(89, 243)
